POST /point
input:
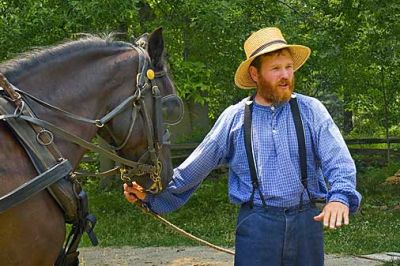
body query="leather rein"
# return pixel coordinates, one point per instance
(128, 168)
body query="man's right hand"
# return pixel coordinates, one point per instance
(134, 192)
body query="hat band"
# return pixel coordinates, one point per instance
(265, 46)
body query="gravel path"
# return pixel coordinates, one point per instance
(182, 256)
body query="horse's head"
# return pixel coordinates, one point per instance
(127, 85)
(140, 133)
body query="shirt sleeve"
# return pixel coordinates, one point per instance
(188, 176)
(338, 167)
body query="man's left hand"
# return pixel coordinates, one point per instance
(334, 215)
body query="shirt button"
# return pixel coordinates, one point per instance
(272, 108)
(274, 131)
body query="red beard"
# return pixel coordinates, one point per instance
(275, 93)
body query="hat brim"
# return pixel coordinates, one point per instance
(299, 53)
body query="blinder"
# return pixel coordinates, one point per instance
(172, 109)
(168, 110)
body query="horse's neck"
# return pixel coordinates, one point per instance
(76, 86)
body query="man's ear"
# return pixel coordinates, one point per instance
(253, 73)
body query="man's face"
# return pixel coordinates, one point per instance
(275, 79)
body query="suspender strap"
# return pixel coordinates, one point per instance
(249, 151)
(300, 140)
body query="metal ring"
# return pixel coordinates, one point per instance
(19, 97)
(98, 123)
(139, 93)
(20, 108)
(50, 135)
(155, 90)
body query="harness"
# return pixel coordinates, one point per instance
(55, 172)
(294, 107)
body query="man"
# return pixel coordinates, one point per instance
(278, 223)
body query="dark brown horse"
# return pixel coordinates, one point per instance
(89, 77)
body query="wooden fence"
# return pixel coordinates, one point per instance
(182, 151)
(390, 140)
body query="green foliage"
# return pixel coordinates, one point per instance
(355, 44)
(28, 24)
(192, 79)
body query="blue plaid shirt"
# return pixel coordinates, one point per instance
(276, 158)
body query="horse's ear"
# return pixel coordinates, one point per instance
(156, 46)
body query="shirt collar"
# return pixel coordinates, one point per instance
(271, 108)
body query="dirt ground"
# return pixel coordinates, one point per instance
(182, 256)
(174, 256)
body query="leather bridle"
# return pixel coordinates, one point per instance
(154, 129)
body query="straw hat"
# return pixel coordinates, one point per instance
(265, 41)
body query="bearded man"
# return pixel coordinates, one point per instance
(281, 148)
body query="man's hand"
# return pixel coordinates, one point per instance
(334, 215)
(134, 192)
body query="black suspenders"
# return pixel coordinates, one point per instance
(248, 109)
(300, 140)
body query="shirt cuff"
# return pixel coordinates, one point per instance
(339, 198)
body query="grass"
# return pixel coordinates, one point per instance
(209, 215)
(392, 263)
(376, 227)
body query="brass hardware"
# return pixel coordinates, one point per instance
(98, 123)
(150, 74)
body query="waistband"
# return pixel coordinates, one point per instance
(293, 209)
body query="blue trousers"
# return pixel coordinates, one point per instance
(278, 236)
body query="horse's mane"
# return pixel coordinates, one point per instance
(26, 61)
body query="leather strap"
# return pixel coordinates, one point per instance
(294, 107)
(35, 185)
(248, 110)
(26, 135)
(15, 97)
(301, 142)
(143, 168)
(99, 122)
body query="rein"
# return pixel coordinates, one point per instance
(156, 216)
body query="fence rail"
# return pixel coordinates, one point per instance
(372, 140)
(183, 150)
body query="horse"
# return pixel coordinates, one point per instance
(71, 86)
